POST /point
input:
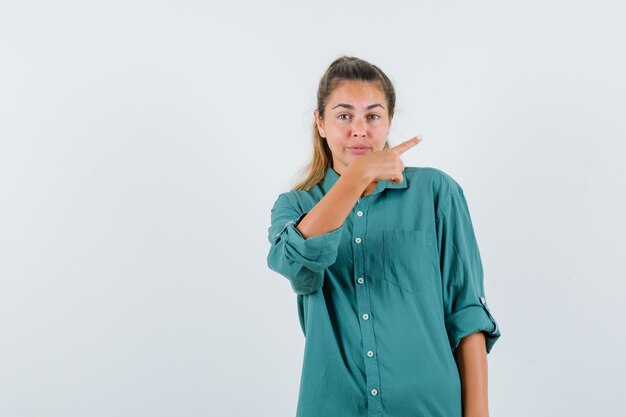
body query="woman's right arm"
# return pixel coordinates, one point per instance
(303, 245)
(333, 209)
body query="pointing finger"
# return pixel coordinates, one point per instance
(406, 145)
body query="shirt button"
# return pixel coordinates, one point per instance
(370, 353)
(360, 280)
(374, 391)
(359, 213)
(357, 240)
(366, 316)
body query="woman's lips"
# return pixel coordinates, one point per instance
(358, 150)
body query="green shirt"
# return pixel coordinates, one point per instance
(384, 299)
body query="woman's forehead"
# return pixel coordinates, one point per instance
(357, 93)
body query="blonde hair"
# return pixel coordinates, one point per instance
(341, 69)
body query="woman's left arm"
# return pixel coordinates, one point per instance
(471, 358)
(472, 329)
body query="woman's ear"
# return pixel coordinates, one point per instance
(320, 123)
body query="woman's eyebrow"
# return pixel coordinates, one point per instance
(351, 107)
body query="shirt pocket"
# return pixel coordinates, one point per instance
(408, 259)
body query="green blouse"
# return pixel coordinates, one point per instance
(384, 300)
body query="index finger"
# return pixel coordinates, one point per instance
(406, 145)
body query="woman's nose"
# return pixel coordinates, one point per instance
(358, 128)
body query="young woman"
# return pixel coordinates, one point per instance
(385, 264)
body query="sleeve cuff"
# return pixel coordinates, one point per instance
(315, 252)
(472, 319)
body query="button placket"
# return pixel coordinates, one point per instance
(366, 316)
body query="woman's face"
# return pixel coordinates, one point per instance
(356, 121)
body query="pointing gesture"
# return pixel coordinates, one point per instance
(406, 145)
(385, 164)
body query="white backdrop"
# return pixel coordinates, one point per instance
(143, 143)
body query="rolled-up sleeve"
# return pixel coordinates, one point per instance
(465, 305)
(302, 261)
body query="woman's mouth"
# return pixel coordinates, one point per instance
(357, 150)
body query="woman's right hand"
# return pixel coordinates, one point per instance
(384, 164)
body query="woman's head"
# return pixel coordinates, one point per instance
(355, 106)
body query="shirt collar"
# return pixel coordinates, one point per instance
(331, 177)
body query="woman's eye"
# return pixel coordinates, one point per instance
(374, 116)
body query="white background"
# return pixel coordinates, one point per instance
(143, 143)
